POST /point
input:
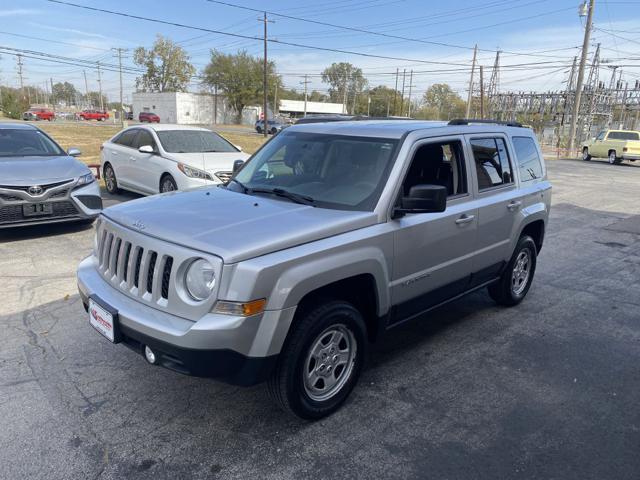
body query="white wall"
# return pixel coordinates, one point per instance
(162, 104)
(297, 106)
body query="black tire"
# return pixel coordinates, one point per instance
(585, 154)
(511, 289)
(258, 129)
(287, 385)
(167, 184)
(110, 180)
(274, 131)
(613, 158)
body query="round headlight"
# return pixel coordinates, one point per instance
(200, 279)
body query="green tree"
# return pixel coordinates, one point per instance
(64, 92)
(167, 67)
(344, 76)
(240, 78)
(441, 102)
(382, 102)
(13, 104)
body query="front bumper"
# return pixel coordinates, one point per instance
(68, 205)
(238, 350)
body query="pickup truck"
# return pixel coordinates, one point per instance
(614, 145)
(93, 115)
(39, 114)
(328, 237)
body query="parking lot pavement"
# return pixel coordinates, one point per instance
(548, 389)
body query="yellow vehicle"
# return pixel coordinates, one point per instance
(615, 145)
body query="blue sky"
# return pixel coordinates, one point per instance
(546, 33)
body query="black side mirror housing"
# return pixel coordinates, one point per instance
(424, 199)
(237, 165)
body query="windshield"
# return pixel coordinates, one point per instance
(193, 141)
(335, 171)
(27, 143)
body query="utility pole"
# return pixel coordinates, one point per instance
(86, 87)
(404, 77)
(481, 94)
(578, 94)
(20, 74)
(276, 107)
(410, 87)
(306, 81)
(369, 106)
(215, 104)
(473, 70)
(119, 52)
(395, 92)
(265, 115)
(344, 93)
(100, 88)
(53, 99)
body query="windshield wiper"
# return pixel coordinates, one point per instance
(280, 192)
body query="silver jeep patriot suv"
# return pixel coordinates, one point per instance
(327, 237)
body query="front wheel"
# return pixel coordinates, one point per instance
(585, 154)
(274, 131)
(321, 361)
(168, 184)
(515, 281)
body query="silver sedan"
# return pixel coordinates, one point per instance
(40, 182)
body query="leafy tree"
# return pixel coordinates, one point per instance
(341, 76)
(167, 67)
(240, 78)
(64, 92)
(441, 102)
(13, 104)
(382, 102)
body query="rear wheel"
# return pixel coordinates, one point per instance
(258, 129)
(274, 131)
(613, 159)
(516, 279)
(110, 180)
(168, 184)
(585, 154)
(321, 361)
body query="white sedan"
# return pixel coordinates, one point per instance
(160, 158)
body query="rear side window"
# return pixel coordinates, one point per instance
(126, 138)
(492, 162)
(528, 158)
(623, 136)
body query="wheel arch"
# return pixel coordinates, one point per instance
(535, 230)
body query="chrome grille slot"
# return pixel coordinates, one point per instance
(147, 269)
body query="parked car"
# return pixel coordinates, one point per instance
(328, 237)
(149, 117)
(128, 115)
(39, 114)
(275, 126)
(614, 145)
(40, 182)
(162, 158)
(93, 115)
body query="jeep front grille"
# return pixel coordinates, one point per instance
(143, 272)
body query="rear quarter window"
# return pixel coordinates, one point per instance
(528, 158)
(623, 136)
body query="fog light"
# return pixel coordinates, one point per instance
(149, 355)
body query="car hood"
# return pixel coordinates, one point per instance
(233, 225)
(32, 170)
(211, 161)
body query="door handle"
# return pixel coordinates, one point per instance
(464, 219)
(515, 204)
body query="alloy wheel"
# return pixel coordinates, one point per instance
(521, 271)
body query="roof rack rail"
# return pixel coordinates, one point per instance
(467, 121)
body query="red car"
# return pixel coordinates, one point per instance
(148, 117)
(93, 115)
(39, 114)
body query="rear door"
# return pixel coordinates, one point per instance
(433, 251)
(499, 203)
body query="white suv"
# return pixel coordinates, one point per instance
(162, 158)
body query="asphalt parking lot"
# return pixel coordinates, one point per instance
(548, 389)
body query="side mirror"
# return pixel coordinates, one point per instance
(74, 152)
(146, 149)
(238, 147)
(424, 199)
(237, 165)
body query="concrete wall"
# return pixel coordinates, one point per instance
(163, 104)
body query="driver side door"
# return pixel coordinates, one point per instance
(433, 251)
